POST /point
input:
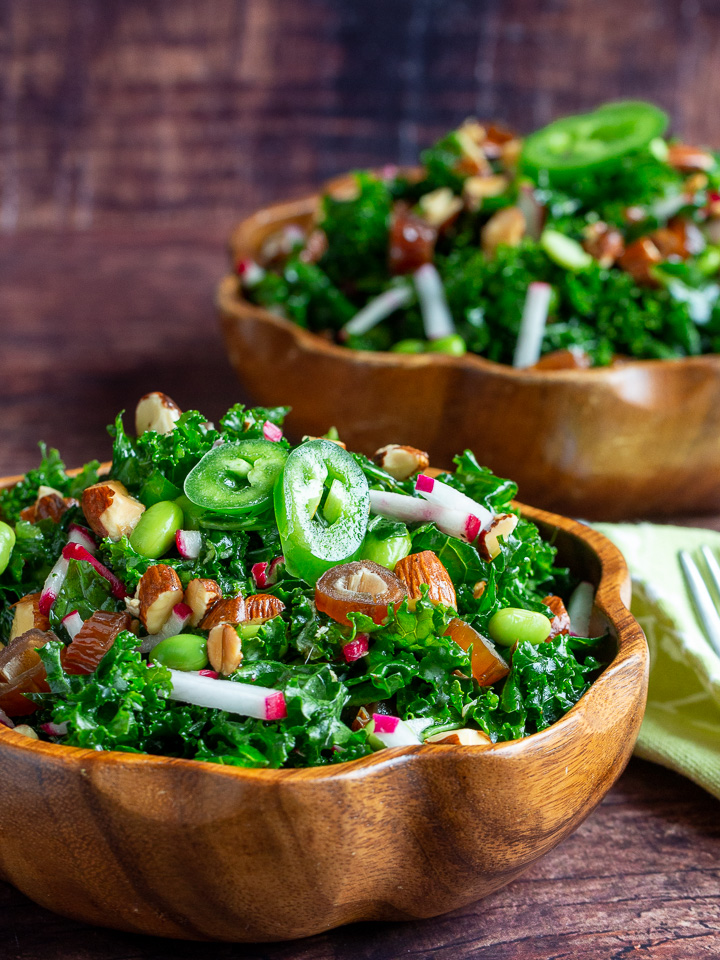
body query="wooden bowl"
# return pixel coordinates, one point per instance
(185, 849)
(640, 438)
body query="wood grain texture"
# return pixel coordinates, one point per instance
(407, 833)
(635, 439)
(179, 112)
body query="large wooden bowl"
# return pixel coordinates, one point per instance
(636, 439)
(185, 849)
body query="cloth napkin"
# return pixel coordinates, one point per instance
(681, 729)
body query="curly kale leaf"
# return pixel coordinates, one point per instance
(50, 473)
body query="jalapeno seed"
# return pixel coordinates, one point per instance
(186, 651)
(513, 625)
(7, 542)
(155, 532)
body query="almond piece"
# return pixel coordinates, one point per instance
(687, 159)
(200, 595)
(110, 510)
(158, 592)
(477, 189)
(425, 567)
(604, 244)
(560, 622)
(440, 207)
(466, 737)
(488, 545)
(401, 461)
(156, 411)
(227, 610)
(261, 607)
(507, 227)
(27, 616)
(224, 649)
(479, 589)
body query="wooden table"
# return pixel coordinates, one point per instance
(91, 321)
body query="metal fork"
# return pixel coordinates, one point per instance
(705, 604)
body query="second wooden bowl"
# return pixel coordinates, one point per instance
(183, 849)
(637, 439)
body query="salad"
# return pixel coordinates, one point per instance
(592, 239)
(222, 595)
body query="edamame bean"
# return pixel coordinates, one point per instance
(191, 513)
(155, 532)
(408, 346)
(513, 625)
(454, 345)
(7, 542)
(186, 651)
(386, 552)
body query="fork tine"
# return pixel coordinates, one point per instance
(703, 600)
(712, 565)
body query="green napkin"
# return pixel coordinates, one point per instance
(681, 729)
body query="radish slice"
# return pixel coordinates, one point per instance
(272, 432)
(399, 506)
(532, 325)
(579, 609)
(82, 536)
(250, 273)
(174, 624)
(73, 623)
(73, 551)
(53, 585)
(188, 543)
(392, 731)
(54, 729)
(437, 319)
(435, 491)
(377, 310)
(259, 574)
(213, 674)
(245, 699)
(357, 648)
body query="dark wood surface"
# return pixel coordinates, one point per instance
(132, 137)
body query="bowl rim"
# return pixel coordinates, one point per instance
(609, 601)
(231, 301)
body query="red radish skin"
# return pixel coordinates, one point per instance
(275, 707)
(213, 674)
(385, 724)
(52, 586)
(259, 574)
(357, 648)
(398, 506)
(442, 494)
(73, 551)
(54, 729)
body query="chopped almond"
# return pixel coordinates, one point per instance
(506, 227)
(687, 159)
(605, 244)
(224, 649)
(440, 207)
(228, 610)
(27, 616)
(401, 461)
(425, 568)
(560, 622)
(200, 595)
(110, 510)
(638, 258)
(466, 737)
(158, 592)
(477, 189)
(488, 543)
(156, 411)
(261, 607)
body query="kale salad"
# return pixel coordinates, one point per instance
(222, 595)
(593, 239)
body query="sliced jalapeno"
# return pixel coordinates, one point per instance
(236, 478)
(322, 504)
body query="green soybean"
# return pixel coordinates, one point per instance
(7, 542)
(191, 513)
(453, 345)
(182, 652)
(386, 552)
(156, 529)
(513, 625)
(408, 346)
